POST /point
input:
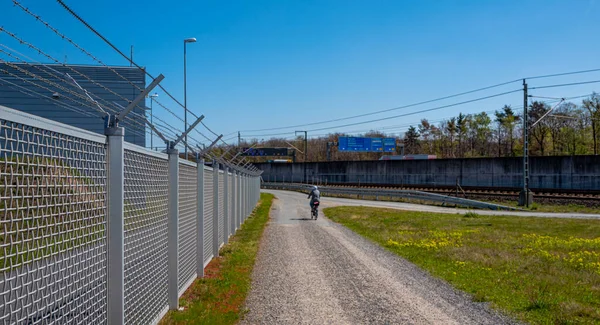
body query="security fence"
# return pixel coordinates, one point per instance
(97, 231)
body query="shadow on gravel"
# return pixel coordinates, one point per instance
(301, 219)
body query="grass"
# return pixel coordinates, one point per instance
(218, 298)
(554, 208)
(538, 270)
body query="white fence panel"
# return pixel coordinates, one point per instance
(146, 213)
(188, 177)
(52, 219)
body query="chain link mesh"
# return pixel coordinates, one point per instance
(188, 177)
(52, 216)
(146, 211)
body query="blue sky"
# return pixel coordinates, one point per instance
(266, 64)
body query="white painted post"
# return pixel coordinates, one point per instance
(173, 229)
(200, 219)
(115, 226)
(226, 226)
(215, 208)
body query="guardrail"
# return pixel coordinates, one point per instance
(377, 193)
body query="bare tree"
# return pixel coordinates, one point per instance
(592, 105)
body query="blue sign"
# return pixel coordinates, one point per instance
(389, 144)
(356, 144)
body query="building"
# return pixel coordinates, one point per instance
(29, 88)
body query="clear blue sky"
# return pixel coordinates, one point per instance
(261, 64)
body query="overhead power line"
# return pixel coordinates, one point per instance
(563, 74)
(93, 30)
(400, 115)
(566, 85)
(389, 109)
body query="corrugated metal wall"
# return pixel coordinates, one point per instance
(13, 96)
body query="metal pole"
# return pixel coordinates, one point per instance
(185, 95)
(525, 192)
(115, 226)
(305, 152)
(151, 122)
(226, 226)
(215, 208)
(200, 218)
(172, 229)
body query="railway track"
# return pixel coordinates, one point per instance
(591, 197)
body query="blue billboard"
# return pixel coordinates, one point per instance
(358, 144)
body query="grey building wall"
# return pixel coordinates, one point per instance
(22, 99)
(571, 172)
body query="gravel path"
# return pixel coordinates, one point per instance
(317, 272)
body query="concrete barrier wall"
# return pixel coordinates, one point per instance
(569, 172)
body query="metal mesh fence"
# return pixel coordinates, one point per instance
(52, 216)
(187, 224)
(53, 225)
(221, 208)
(231, 202)
(208, 214)
(146, 195)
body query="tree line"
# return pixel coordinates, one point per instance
(565, 129)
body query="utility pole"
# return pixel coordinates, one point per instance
(305, 150)
(525, 197)
(239, 140)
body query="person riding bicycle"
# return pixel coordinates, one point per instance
(316, 196)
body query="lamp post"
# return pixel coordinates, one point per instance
(151, 120)
(305, 149)
(185, 41)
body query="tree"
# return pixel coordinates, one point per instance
(479, 134)
(425, 131)
(462, 127)
(451, 129)
(557, 123)
(592, 105)
(507, 121)
(411, 141)
(539, 132)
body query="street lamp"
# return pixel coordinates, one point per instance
(151, 119)
(185, 41)
(305, 149)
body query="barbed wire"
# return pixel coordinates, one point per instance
(96, 59)
(83, 50)
(29, 92)
(110, 106)
(37, 77)
(32, 93)
(41, 52)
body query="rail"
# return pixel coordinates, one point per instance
(404, 194)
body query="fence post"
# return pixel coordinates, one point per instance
(172, 229)
(215, 208)
(244, 197)
(200, 219)
(232, 204)
(115, 234)
(226, 226)
(237, 200)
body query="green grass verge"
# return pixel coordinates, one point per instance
(538, 270)
(554, 208)
(218, 298)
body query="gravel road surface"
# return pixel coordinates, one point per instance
(317, 272)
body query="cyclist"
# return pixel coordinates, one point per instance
(316, 196)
